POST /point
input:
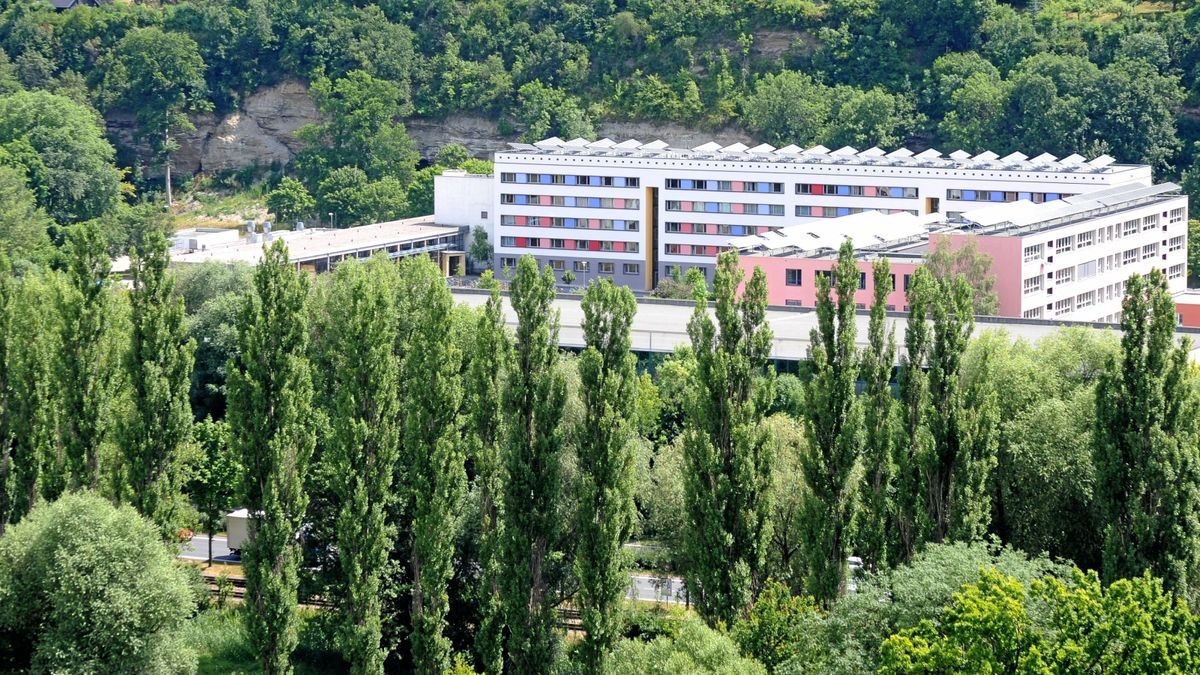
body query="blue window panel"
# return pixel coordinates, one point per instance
(568, 201)
(522, 178)
(710, 207)
(594, 202)
(764, 209)
(572, 180)
(711, 185)
(619, 181)
(594, 180)
(618, 224)
(763, 187)
(843, 190)
(1051, 196)
(569, 222)
(896, 192)
(968, 195)
(545, 179)
(738, 229)
(997, 197)
(687, 184)
(1025, 195)
(843, 211)
(522, 199)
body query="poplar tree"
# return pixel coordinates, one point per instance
(8, 488)
(608, 379)
(432, 456)
(85, 367)
(727, 461)
(534, 395)
(1145, 446)
(876, 538)
(833, 420)
(32, 414)
(489, 359)
(360, 333)
(961, 423)
(270, 420)
(159, 366)
(913, 439)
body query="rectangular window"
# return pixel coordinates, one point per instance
(1085, 299)
(1086, 270)
(1129, 257)
(1150, 222)
(1064, 306)
(1064, 276)
(1175, 272)
(1129, 228)
(862, 281)
(792, 302)
(605, 267)
(1175, 244)
(557, 265)
(1033, 252)
(1035, 313)
(794, 277)
(631, 268)
(510, 263)
(1032, 284)
(508, 241)
(533, 242)
(1063, 244)
(557, 243)
(1085, 239)
(582, 265)
(631, 247)
(1149, 251)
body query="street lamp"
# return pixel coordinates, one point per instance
(331, 222)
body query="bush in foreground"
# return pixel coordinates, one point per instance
(89, 587)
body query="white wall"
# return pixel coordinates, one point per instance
(464, 199)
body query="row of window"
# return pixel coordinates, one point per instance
(804, 211)
(795, 277)
(724, 185)
(1034, 252)
(569, 223)
(691, 249)
(964, 195)
(1109, 293)
(713, 228)
(726, 207)
(560, 179)
(567, 200)
(582, 266)
(571, 244)
(1090, 268)
(891, 192)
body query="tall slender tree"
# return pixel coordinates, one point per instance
(1145, 446)
(159, 367)
(608, 378)
(37, 468)
(489, 361)
(270, 420)
(833, 419)
(913, 439)
(85, 367)
(534, 396)
(360, 331)
(727, 463)
(432, 456)
(876, 536)
(8, 487)
(961, 423)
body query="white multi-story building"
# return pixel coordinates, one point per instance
(632, 211)
(1064, 260)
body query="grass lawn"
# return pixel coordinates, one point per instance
(222, 645)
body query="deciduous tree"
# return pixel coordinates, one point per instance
(876, 539)
(727, 466)
(606, 463)
(534, 396)
(833, 419)
(270, 420)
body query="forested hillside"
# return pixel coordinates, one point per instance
(1058, 76)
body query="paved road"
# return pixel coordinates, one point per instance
(642, 586)
(197, 549)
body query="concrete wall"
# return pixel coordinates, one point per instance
(461, 199)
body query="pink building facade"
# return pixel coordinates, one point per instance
(792, 282)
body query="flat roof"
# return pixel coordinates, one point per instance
(903, 233)
(819, 154)
(311, 244)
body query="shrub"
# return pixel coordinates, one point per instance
(89, 587)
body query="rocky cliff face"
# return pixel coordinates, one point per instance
(263, 132)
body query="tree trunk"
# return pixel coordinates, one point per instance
(210, 538)
(167, 144)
